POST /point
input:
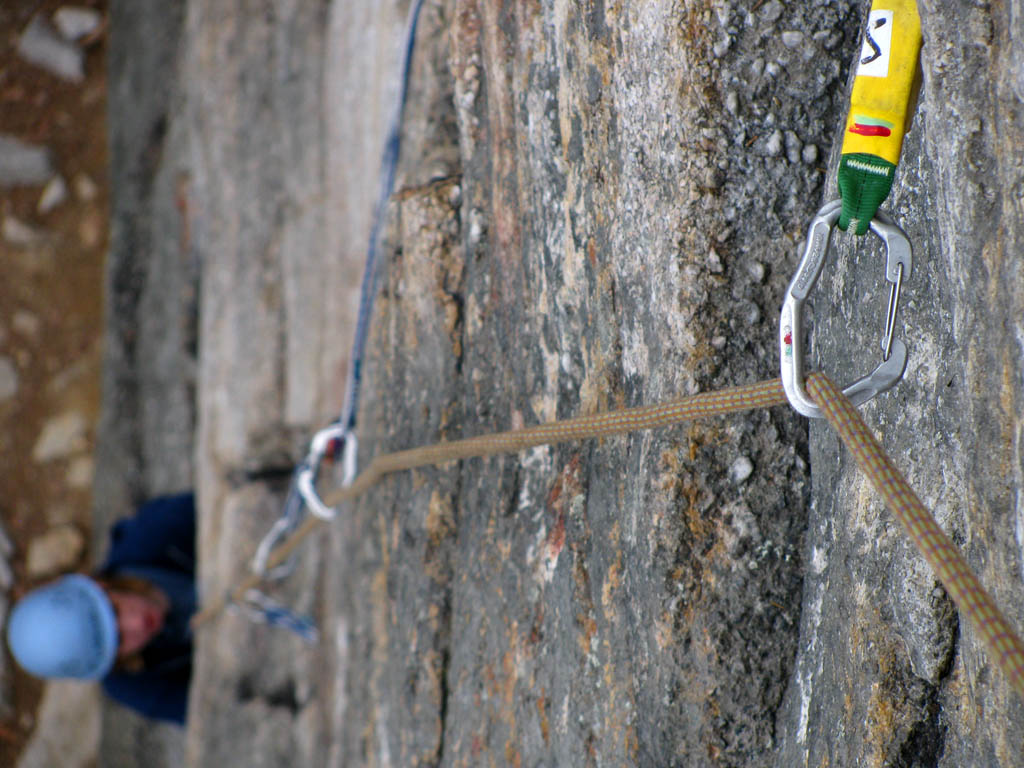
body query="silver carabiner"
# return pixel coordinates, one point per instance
(898, 266)
(306, 481)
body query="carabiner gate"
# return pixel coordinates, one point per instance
(898, 265)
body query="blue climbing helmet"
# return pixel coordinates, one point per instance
(65, 629)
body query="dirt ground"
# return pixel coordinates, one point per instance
(51, 315)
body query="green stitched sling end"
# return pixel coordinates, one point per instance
(864, 183)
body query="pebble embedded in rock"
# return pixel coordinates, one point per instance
(774, 145)
(42, 45)
(25, 323)
(75, 22)
(741, 469)
(17, 232)
(62, 436)
(771, 11)
(809, 154)
(714, 262)
(81, 471)
(792, 38)
(55, 193)
(85, 188)
(54, 551)
(22, 163)
(90, 229)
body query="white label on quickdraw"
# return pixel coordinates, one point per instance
(877, 45)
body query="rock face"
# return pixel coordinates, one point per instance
(884, 658)
(598, 205)
(145, 438)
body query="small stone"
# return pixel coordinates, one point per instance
(55, 193)
(41, 45)
(756, 270)
(793, 147)
(75, 22)
(774, 146)
(85, 188)
(81, 471)
(732, 102)
(771, 11)
(16, 232)
(741, 469)
(809, 154)
(792, 38)
(62, 436)
(90, 229)
(25, 323)
(59, 549)
(8, 379)
(22, 163)
(714, 262)
(720, 48)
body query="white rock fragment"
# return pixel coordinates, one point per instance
(80, 472)
(714, 262)
(85, 188)
(809, 154)
(54, 551)
(25, 323)
(22, 163)
(774, 145)
(771, 11)
(69, 727)
(741, 469)
(40, 44)
(75, 22)
(793, 147)
(792, 38)
(62, 436)
(55, 193)
(732, 102)
(8, 379)
(16, 232)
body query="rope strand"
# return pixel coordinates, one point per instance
(950, 567)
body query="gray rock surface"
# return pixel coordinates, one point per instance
(42, 45)
(22, 163)
(8, 379)
(145, 438)
(903, 678)
(599, 205)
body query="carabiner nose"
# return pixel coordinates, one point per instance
(898, 267)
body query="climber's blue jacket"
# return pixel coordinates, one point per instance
(158, 545)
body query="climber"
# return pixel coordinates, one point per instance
(127, 624)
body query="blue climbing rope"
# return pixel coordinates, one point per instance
(339, 436)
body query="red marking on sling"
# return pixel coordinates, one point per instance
(870, 130)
